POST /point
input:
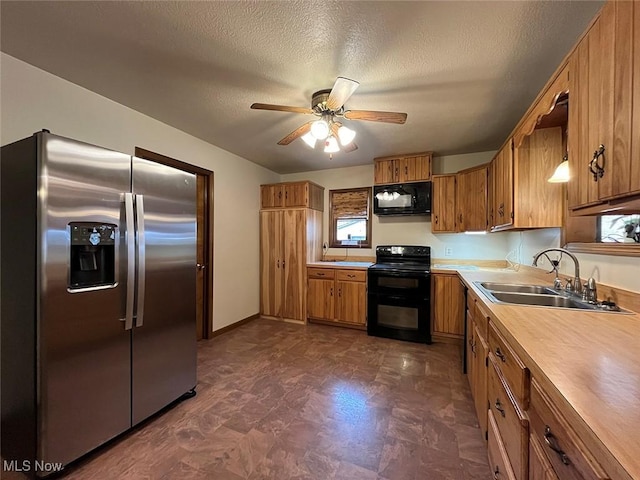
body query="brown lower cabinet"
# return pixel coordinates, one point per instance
(337, 296)
(448, 305)
(477, 359)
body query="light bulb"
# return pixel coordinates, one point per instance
(320, 129)
(331, 145)
(346, 135)
(309, 139)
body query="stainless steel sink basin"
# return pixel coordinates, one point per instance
(539, 296)
(541, 300)
(511, 287)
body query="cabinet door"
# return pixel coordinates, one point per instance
(471, 353)
(294, 259)
(481, 372)
(385, 172)
(448, 305)
(621, 175)
(503, 187)
(413, 169)
(443, 212)
(320, 303)
(271, 196)
(295, 194)
(351, 304)
(471, 200)
(271, 257)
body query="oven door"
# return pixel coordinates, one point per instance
(400, 317)
(387, 282)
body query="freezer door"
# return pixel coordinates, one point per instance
(164, 335)
(84, 375)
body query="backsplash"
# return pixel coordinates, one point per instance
(616, 271)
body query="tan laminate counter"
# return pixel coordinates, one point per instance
(341, 265)
(588, 361)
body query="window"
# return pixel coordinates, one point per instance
(619, 229)
(350, 218)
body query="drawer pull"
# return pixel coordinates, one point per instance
(552, 443)
(351, 275)
(496, 473)
(320, 274)
(498, 407)
(331, 292)
(500, 355)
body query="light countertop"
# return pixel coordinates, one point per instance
(346, 265)
(589, 360)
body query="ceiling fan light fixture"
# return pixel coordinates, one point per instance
(346, 135)
(331, 145)
(309, 139)
(320, 129)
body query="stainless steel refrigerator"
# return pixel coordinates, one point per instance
(98, 273)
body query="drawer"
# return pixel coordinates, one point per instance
(539, 466)
(351, 275)
(325, 273)
(511, 423)
(511, 367)
(498, 460)
(570, 458)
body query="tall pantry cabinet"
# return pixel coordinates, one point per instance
(289, 238)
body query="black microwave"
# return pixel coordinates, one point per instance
(402, 199)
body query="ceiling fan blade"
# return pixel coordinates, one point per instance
(372, 116)
(297, 133)
(350, 147)
(340, 93)
(281, 108)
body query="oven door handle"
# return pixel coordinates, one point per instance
(417, 276)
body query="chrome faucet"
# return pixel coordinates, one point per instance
(577, 284)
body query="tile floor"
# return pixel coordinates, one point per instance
(282, 401)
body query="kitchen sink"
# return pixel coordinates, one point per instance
(541, 296)
(511, 287)
(542, 300)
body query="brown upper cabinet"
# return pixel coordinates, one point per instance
(443, 205)
(415, 167)
(292, 194)
(604, 111)
(501, 182)
(471, 199)
(520, 195)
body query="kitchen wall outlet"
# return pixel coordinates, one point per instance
(448, 252)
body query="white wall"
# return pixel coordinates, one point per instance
(408, 230)
(616, 271)
(33, 99)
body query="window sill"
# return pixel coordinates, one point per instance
(615, 249)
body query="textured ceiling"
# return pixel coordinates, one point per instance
(464, 72)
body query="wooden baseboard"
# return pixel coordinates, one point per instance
(438, 338)
(233, 326)
(337, 324)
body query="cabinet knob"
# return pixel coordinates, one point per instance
(436, 219)
(498, 407)
(500, 355)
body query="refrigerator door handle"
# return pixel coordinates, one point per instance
(141, 260)
(131, 259)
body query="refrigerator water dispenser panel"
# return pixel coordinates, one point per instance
(92, 255)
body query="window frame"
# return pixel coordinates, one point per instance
(333, 222)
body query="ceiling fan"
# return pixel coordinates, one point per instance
(329, 106)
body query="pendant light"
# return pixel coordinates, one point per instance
(561, 174)
(331, 145)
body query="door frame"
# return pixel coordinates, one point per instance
(208, 230)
